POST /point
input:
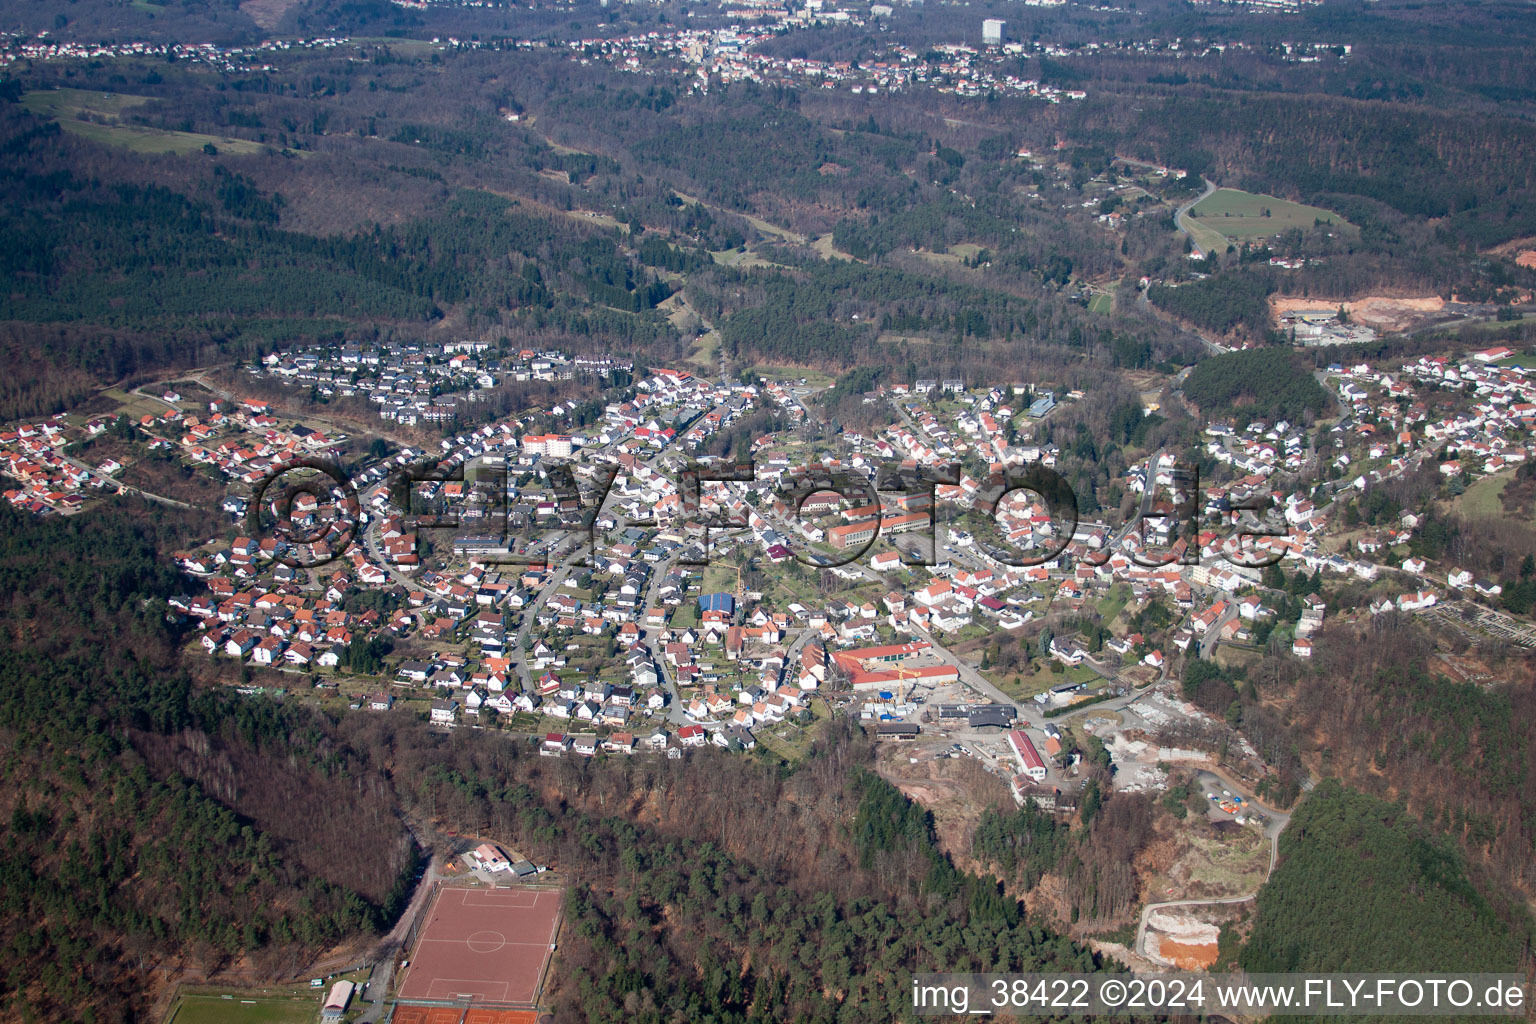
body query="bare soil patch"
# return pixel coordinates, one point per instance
(266, 13)
(957, 790)
(1383, 312)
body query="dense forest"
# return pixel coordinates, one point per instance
(813, 910)
(1459, 757)
(1095, 863)
(324, 232)
(1361, 885)
(1256, 384)
(111, 862)
(1231, 303)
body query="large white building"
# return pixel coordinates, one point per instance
(1030, 761)
(992, 31)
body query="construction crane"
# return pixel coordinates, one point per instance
(902, 674)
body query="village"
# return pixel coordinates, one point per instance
(724, 52)
(581, 590)
(979, 67)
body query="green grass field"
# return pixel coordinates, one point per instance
(134, 406)
(792, 375)
(200, 1009)
(1206, 240)
(67, 105)
(705, 353)
(718, 579)
(1482, 499)
(402, 47)
(1113, 602)
(1238, 216)
(1101, 304)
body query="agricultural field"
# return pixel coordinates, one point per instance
(1238, 216)
(1101, 304)
(97, 116)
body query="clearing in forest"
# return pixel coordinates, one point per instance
(97, 116)
(1243, 216)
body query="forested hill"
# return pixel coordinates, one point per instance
(1362, 886)
(110, 865)
(131, 276)
(1479, 173)
(1263, 383)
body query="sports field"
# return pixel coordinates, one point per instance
(484, 945)
(1241, 216)
(206, 1009)
(457, 1015)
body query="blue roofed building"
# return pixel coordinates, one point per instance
(717, 603)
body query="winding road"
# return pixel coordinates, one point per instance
(1181, 215)
(1276, 823)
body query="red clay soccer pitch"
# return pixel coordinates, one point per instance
(484, 945)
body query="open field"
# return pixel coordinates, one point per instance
(246, 1007)
(1239, 216)
(705, 353)
(266, 13)
(1112, 603)
(745, 259)
(1491, 331)
(67, 105)
(792, 742)
(72, 102)
(1206, 239)
(824, 248)
(403, 47)
(1481, 500)
(793, 374)
(955, 255)
(718, 579)
(1042, 678)
(1101, 304)
(134, 406)
(1528, 362)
